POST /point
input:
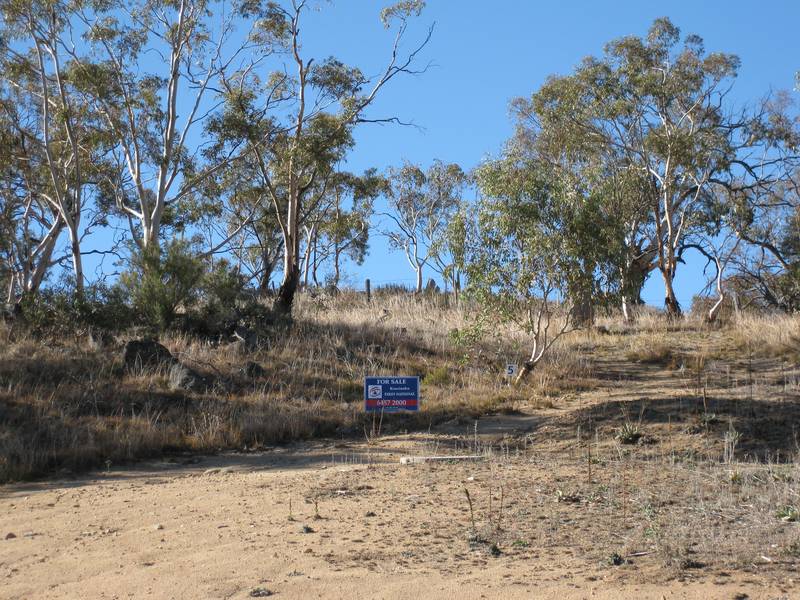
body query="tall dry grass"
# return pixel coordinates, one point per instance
(66, 404)
(776, 334)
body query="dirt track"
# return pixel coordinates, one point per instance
(361, 526)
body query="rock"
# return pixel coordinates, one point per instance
(159, 527)
(253, 370)
(146, 353)
(260, 592)
(10, 536)
(306, 529)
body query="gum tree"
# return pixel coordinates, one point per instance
(54, 129)
(653, 110)
(150, 70)
(528, 247)
(30, 226)
(298, 119)
(342, 225)
(421, 205)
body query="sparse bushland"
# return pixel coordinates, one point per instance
(67, 401)
(643, 469)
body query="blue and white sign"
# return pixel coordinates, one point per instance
(390, 394)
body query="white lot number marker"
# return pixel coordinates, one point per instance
(511, 369)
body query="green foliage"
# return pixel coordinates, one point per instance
(439, 376)
(647, 131)
(222, 286)
(629, 433)
(402, 11)
(159, 282)
(535, 240)
(59, 311)
(422, 204)
(790, 514)
(221, 296)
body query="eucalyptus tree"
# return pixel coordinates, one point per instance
(343, 232)
(421, 204)
(256, 247)
(32, 221)
(49, 116)
(767, 221)
(655, 112)
(528, 247)
(758, 202)
(298, 118)
(151, 70)
(30, 226)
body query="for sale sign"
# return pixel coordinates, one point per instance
(391, 394)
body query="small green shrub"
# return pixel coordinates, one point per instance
(159, 282)
(438, 376)
(57, 311)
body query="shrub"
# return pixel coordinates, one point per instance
(222, 289)
(159, 282)
(57, 311)
(629, 433)
(438, 376)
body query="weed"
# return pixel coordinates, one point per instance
(730, 440)
(317, 516)
(616, 559)
(570, 497)
(471, 513)
(788, 513)
(707, 420)
(439, 376)
(629, 433)
(690, 563)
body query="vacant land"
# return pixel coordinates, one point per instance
(647, 461)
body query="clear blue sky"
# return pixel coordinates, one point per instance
(486, 53)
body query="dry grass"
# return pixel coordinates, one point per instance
(776, 335)
(678, 518)
(67, 405)
(659, 450)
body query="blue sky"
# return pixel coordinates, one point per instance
(485, 53)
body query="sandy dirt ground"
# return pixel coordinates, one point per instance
(329, 520)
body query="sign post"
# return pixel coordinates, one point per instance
(391, 394)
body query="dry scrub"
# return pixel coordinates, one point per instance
(66, 403)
